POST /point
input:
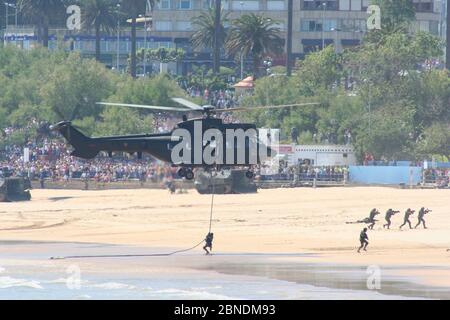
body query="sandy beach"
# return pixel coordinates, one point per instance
(279, 221)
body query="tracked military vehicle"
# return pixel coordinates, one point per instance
(224, 182)
(14, 189)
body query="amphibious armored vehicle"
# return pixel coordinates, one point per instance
(224, 182)
(14, 189)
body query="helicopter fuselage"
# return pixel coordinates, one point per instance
(201, 142)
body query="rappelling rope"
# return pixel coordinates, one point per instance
(212, 200)
(128, 255)
(152, 254)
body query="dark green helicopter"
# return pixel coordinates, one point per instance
(205, 142)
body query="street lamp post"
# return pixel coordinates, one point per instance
(324, 5)
(7, 4)
(6, 16)
(369, 104)
(336, 38)
(447, 47)
(242, 3)
(145, 43)
(289, 38)
(118, 38)
(145, 47)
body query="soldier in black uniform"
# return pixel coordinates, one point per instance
(388, 217)
(208, 242)
(372, 215)
(364, 239)
(408, 213)
(422, 213)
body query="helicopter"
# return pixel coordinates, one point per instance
(205, 141)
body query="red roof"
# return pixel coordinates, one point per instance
(246, 83)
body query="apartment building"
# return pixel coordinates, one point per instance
(316, 23)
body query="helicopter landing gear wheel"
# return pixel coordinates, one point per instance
(189, 174)
(181, 172)
(249, 174)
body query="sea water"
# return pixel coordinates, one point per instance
(26, 272)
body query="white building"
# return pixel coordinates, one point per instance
(319, 155)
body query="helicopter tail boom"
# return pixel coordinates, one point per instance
(79, 141)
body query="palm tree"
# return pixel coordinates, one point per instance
(217, 18)
(205, 27)
(41, 12)
(289, 38)
(133, 8)
(447, 47)
(100, 15)
(254, 35)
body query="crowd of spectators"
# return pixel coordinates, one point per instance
(51, 159)
(438, 177)
(307, 173)
(222, 99)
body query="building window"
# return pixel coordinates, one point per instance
(424, 25)
(423, 5)
(245, 5)
(355, 5)
(365, 5)
(123, 47)
(184, 26)
(185, 5)
(207, 4)
(311, 25)
(164, 4)
(353, 25)
(275, 5)
(329, 25)
(344, 5)
(163, 25)
(316, 25)
(434, 27)
(318, 5)
(103, 46)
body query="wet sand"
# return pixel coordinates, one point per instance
(306, 225)
(27, 273)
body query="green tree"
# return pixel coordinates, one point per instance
(100, 15)
(320, 70)
(435, 140)
(396, 16)
(3, 115)
(158, 90)
(387, 132)
(254, 35)
(113, 122)
(342, 113)
(163, 55)
(303, 118)
(41, 12)
(395, 12)
(73, 88)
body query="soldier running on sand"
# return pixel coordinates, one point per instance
(422, 213)
(408, 213)
(388, 217)
(372, 216)
(364, 239)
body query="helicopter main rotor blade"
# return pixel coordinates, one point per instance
(140, 106)
(264, 107)
(188, 104)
